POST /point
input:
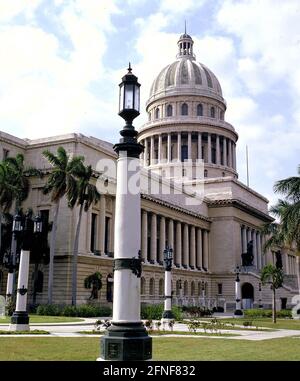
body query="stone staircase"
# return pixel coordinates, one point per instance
(290, 281)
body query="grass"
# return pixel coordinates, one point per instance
(88, 348)
(45, 319)
(266, 322)
(33, 332)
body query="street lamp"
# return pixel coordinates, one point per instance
(10, 261)
(127, 338)
(168, 259)
(28, 231)
(238, 295)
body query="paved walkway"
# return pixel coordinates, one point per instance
(71, 330)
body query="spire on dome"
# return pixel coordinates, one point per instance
(185, 45)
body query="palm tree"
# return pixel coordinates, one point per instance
(61, 182)
(272, 275)
(288, 211)
(7, 191)
(84, 195)
(19, 175)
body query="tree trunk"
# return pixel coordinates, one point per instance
(274, 306)
(52, 251)
(75, 258)
(298, 271)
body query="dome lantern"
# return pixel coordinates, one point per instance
(185, 46)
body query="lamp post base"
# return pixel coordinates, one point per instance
(126, 342)
(238, 313)
(19, 321)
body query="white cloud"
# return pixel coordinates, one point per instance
(11, 8)
(44, 92)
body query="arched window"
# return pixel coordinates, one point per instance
(192, 288)
(151, 286)
(212, 112)
(199, 289)
(185, 288)
(143, 286)
(169, 110)
(184, 109)
(184, 152)
(161, 287)
(157, 113)
(205, 173)
(199, 110)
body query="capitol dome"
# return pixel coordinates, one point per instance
(186, 76)
(186, 121)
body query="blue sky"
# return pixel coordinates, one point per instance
(62, 61)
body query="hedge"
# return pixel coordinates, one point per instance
(260, 313)
(84, 310)
(155, 311)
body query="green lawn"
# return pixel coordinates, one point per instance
(266, 322)
(46, 319)
(87, 348)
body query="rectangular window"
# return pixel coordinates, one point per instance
(220, 288)
(93, 232)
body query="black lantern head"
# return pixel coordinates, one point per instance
(17, 223)
(129, 97)
(37, 224)
(168, 257)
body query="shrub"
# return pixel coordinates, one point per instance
(48, 310)
(10, 306)
(84, 310)
(193, 311)
(260, 313)
(155, 311)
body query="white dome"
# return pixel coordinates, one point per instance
(186, 76)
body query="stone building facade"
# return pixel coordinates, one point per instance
(206, 215)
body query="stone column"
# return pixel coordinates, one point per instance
(179, 146)
(178, 243)
(171, 235)
(253, 237)
(146, 152)
(244, 242)
(234, 156)
(169, 148)
(224, 151)
(162, 238)
(218, 157)
(259, 252)
(152, 159)
(200, 154)
(192, 248)
(153, 238)
(144, 235)
(199, 249)
(102, 224)
(229, 153)
(159, 148)
(189, 145)
(185, 246)
(205, 249)
(209, 148)
(248, 235)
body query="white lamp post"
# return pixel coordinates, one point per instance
(168, 258)
(31, 230)
(127, 338)
(238, 294)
